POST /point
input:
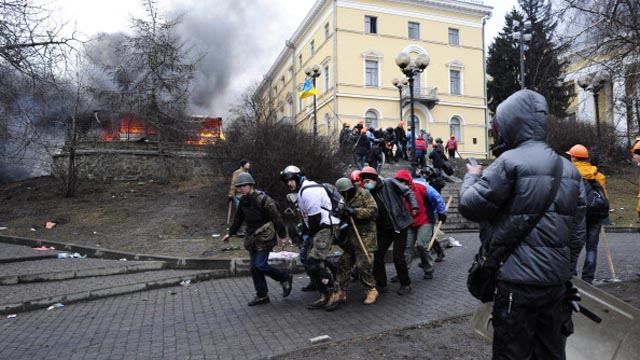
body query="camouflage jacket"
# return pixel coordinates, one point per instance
(366, 212)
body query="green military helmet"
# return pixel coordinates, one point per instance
(439, 140)
(343, 184)
(244, 179)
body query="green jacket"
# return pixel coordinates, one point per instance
(366, 212)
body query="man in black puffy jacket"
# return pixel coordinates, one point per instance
(534, 262)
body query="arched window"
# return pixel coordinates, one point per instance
(454, 127)
(371, 119)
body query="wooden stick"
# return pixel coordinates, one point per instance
(229, 212)
(435, 231)
(609, 258)
(355, 229)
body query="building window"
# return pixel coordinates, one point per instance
(371, 119)
(326, 31)
(371, 73)
(454, 128)
(414, 30)
(313, 47)
(300, 60)
(454, 37)
(326, 78)
(370, 24)
(455, 86)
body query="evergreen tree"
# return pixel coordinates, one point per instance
(503, 64)
(543, 69)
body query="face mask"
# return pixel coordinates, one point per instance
(370, 185)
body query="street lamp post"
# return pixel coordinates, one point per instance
(410, 68)
(595, 83)
(522, 37)
(400, 84)
(313, 73)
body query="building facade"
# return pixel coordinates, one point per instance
(355, 43)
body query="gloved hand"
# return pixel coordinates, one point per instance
(442, 217)
(572, 296)
(349, 211)
(231, 198)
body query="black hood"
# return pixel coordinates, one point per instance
(521, 117)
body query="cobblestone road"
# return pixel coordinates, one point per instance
(210, 320)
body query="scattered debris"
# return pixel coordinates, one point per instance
(319, 339)
(43, 248)
(50, 225)
(95, 233)
(283, 255)
(11, 316)
(3, 228)
(123, 259)
(33, 228)
(185, 282)
(173, 292)
(64, 255)
(230, 248)
(215, 235)
(453, 242)
(55, 306)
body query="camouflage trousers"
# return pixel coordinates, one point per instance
(353, 252)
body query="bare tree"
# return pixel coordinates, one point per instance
(151, 74)
(607, 33)
(30, 42)
(250, 108)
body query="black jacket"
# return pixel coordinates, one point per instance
(513, 190)
(392, 192)
(437, 158)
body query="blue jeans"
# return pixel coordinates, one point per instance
(591, 253)
(359, 159)
(260, 267)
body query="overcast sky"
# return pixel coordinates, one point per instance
(241, 38)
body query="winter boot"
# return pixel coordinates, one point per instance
(333, 302)
(372, 296)
(342, 296)
(318, 304)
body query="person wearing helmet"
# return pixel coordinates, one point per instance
(355, 178)
(392, 223)
(361, 210)
(592, 180)
(315, 205)
(430, 204)
(264, 223)
(530, 204)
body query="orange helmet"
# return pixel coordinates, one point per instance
(355, 176)
(579, 151)
(369, 172)
(636, 147)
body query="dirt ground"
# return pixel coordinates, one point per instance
(439, 340)
(184, 218)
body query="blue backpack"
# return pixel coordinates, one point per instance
(597, 202)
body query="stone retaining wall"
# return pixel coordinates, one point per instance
(132, 162)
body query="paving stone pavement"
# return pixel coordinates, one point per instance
(210, 320)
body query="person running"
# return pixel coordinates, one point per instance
(392, 223)
(315, 205)
(421, 230)
(264, 223)
(360, 241)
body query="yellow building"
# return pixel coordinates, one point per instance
(355, 42)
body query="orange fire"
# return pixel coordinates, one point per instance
(209, 133)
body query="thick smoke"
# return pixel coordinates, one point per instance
(239, 40)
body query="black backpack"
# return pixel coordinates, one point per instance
(597, 202)
(337, 201)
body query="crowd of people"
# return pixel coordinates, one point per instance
(536, 211)
(375, 147)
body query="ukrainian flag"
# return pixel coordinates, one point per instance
(307, 89)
